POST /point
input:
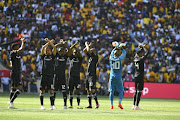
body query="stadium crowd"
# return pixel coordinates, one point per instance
(100, 21)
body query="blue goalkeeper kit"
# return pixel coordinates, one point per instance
(115, 81)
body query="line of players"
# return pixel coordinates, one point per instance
(53, 72)
(54, 65)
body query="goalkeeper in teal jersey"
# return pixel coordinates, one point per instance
(115, 81)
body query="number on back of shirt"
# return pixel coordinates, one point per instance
(115, 64)
(137, 65)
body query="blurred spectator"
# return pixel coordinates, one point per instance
(103, 80)
(5, 81)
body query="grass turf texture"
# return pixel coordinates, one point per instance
(29, 108)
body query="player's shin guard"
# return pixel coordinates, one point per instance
(41, 98)
(65, 98)
(138, 97)
(78, 99)
(111, 95)
(52, 99)
(71, 99)
(15, 95)
(134, 98)
(89, 99)
(95, 97)
(12, 93)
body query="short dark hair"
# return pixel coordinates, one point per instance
(14, 45)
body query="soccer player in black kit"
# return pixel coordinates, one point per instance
(16, 86)
(139, 75)
(47, 74)
(91, 74)
(74, 75)
(60, 67)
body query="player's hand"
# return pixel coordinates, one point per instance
(91, 43)
(86, 43)
(46, 39)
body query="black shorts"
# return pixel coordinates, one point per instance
(139, 82)
(16, 80)
(90, 82)
(74, 82)
(59, 83)
(46, 82)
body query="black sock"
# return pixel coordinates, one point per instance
(15, 95)
(89, 99)
(65, 98)
(11, 94)
(134, 98)
(71, 100)
(95, 98)
(78, 99)
(52, 99)
(41, 98)
(138, 97)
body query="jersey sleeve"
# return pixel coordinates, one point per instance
(121, 57)
(112, 54)
(123, 54)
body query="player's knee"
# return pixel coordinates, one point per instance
(51, 91)
(42, 91)
(13, 90)
(77, 92)
(94, 94)
(20, 87)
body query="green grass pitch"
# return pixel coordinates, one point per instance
(29, 109)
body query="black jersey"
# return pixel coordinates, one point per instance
(15, 60)
(47, 64)
(60, 64)
(139, 64)
(92, 63)
(75, 64)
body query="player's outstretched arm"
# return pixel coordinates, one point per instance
(54, 47)
(145, 50)
(44, 46)
(23, 45)
(59, 44)
(87, 48)
(74, 45)
(69, 52)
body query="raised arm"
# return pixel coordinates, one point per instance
(59, 44)
(74, 45)
(69, 52)
(44, 46)
(121, 57)
(54, 47)
(146, 53)
(23, 45)
(87, 48)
